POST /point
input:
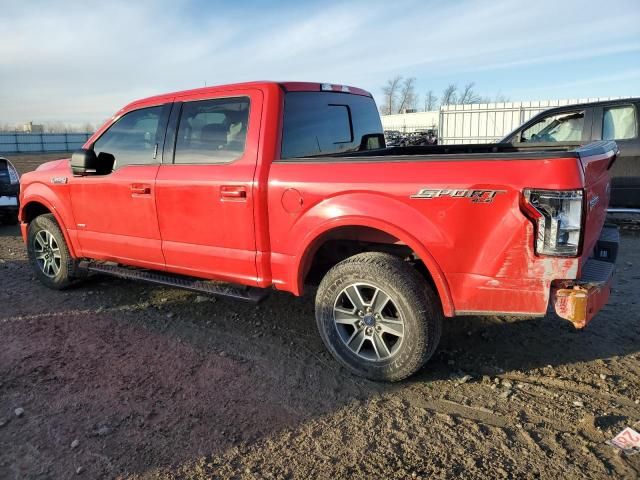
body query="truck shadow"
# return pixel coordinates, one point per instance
(9, 230)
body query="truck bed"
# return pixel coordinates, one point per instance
(480, 151)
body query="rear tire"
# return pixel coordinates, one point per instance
(48, 253)
(378, 316)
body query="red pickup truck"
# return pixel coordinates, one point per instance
(238, 189)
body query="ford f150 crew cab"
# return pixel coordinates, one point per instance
(238, 189)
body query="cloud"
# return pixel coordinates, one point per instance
(77, 62)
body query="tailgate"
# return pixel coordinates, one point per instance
(596, 159)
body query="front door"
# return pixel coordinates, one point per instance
(205, 186)
(115, 208)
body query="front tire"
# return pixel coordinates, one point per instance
(48, 253)
(378, 317)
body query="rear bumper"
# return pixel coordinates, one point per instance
(580, 300)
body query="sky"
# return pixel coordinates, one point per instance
(79, 62)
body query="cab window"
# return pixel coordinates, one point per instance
(212, 131)
(325, 123)
(619, 123)
(563, 127)
(133, 139)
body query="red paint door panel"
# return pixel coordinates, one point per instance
(116, 216)
(205, 196)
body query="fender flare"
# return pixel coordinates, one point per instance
(30, 197)
(317, 222)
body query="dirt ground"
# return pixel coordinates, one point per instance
(119, 379)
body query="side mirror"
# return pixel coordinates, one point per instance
(84, 162)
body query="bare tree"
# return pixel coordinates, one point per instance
(390, 91)
(449, 95)
(469, 95)
(407, 95)
(500, 98)
(87, 127)
(55, 127)
(430, 101)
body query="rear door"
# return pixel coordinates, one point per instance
(619, 122)
(205, 186)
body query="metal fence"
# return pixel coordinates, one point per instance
(41, 142)
(475, 123)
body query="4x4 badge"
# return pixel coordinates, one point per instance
(476, 196)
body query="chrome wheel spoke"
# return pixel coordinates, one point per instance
(357, 340)
(41, 241)
(346, 317)
(368, 322)
(392, 328)
(55, 267)
(354, 296)
(379, 301)
(380, 347)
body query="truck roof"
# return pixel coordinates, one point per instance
(572, 106)
(286, 86)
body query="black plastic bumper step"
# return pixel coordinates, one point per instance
(251, 294)
(597, 271)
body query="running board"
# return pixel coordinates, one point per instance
(252, 294)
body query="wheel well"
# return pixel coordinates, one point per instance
(344, 242)
(33, 210)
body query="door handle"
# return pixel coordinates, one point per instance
(140, 189)
(233, 192)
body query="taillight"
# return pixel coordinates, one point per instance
(13, 174)
(557, 216)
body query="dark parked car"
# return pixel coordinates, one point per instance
(587, 122)
(9, 189)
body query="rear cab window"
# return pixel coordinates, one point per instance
(325, 123)
(212, 131)
(619, 122)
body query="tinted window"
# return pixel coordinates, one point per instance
(619, 123)
(564, 127)
(133, 138)
(212, 131)
(317, 123)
